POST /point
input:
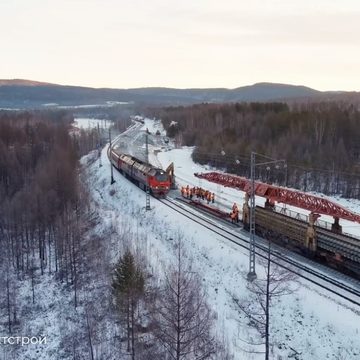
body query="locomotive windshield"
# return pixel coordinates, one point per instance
(161, 176)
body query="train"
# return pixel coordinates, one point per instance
(141, 174)
(322, 241)
(335, 249)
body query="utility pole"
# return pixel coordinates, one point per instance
(252, 274)
(111, 166)
(267, 305)
(147, 206)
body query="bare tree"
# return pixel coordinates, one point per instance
(256, 308)
(182, 318)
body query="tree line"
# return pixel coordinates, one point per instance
(318, 141)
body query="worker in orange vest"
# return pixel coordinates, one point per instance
(182, 191)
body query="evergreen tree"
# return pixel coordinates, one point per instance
(128, 285)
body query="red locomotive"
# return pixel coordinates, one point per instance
(141, 174)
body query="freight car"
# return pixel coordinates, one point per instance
(338, 250)
(325, 243)
(141, 173)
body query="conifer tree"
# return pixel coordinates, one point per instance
(128, 285)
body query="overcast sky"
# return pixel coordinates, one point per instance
(182, 43)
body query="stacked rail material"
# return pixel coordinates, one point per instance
(300, 199)
(344, 245)
(293, 229)
(327, 241)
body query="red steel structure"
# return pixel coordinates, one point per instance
(315, 204)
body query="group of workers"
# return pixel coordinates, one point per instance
(234, 215)
(202, 194)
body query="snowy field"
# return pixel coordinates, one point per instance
(91, 123)
(309, 322)
(89, 106)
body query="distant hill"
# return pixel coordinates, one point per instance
(20, 93)
(256, 92)
(21, 82)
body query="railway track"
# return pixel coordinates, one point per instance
(303, 268)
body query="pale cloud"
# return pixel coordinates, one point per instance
(201, 43)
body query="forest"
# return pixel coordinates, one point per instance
(319, 141)
(40, 198)
(56, 260)
(38, 184)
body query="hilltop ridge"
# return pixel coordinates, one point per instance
(23, 82)
(21, 93)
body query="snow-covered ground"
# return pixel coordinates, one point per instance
(107, 104)
(185, 169)
(310, 321)
(90, 123)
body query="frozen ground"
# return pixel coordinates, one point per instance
(309, 322)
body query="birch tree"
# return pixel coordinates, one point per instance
(262, 291)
